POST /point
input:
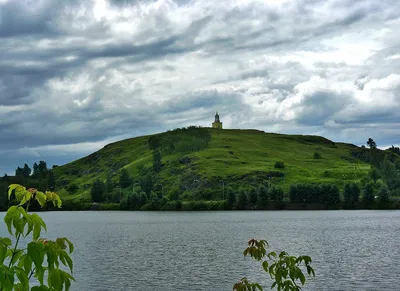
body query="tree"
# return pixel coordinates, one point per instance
(368, 194)
(278, 193)
(3, 195)
(371, 143)
(19, 172)
(156, 160)
(388, 169)
(242, 200)
(397, 164)
(231, 198)
(146, 183)
(97, 191)
(374, 174)
(253, 197)
(263, 198)
(394, 149)
(283, 269)
(109, 184)
(51, 181)
(42, 167)
(356, 192)
(35, 169)
(384, 194)
(26, 171)
(40, 258)
(132, 200)
(348, 197)
(124, 179)
(329, 194)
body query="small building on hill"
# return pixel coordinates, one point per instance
(217, 123)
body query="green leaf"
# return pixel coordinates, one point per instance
(271, 255)
(53, 197)
(23, 279)
(302, 277)
(19, 225)
(25, 198)
(7, 277)
(70, 245)
(40, 197)
(12, 213)
(19, 192)
(5, 242)
(17, 255)
(278, 275)
(54, 279)
(39, 274)
(13, 187)
(38, 224)
(29, 221)
(66, 260)
(310, 270)
(36, 253)
(3, 252)
(265, 266)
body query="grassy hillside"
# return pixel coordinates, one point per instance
(241, 158)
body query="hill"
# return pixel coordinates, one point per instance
(200, 163)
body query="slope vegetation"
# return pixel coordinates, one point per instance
(198, 163)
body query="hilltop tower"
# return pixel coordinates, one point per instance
(217, 123)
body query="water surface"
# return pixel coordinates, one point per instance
(351, 250)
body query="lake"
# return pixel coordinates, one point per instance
(351, 250)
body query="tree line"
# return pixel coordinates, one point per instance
(39, 177)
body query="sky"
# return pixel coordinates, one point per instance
(77, 75)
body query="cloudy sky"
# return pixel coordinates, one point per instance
(76, 75)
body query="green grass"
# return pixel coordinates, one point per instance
(239, 157)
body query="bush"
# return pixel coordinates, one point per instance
(194, 205)
(275, 174)
(317, 156)
(216, 205)
(203, 205)
(109, 206)
(72, 188)
(173, 206)
(279, 165)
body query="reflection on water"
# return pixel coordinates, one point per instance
(352, 250)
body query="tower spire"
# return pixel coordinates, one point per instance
(217, 123)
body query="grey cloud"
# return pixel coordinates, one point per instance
(319, 106)
(204, 99)
(15, 20)
(177, 64)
